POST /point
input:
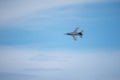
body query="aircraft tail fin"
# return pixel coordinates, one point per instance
(81, 33)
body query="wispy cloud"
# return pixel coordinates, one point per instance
(10, 10)
(71, 65)
(18, 59)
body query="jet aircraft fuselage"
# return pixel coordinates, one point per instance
(75, 33)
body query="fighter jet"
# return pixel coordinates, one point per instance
(75, 33)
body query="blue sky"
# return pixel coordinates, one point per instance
(33, 44)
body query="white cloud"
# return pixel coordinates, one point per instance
(15, 60)
(85, 65)
(11, 10)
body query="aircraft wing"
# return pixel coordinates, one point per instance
(76, 30)
(74, 37)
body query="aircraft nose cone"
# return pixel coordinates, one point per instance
(65, 34)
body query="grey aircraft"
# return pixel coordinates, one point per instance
(75, 33)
